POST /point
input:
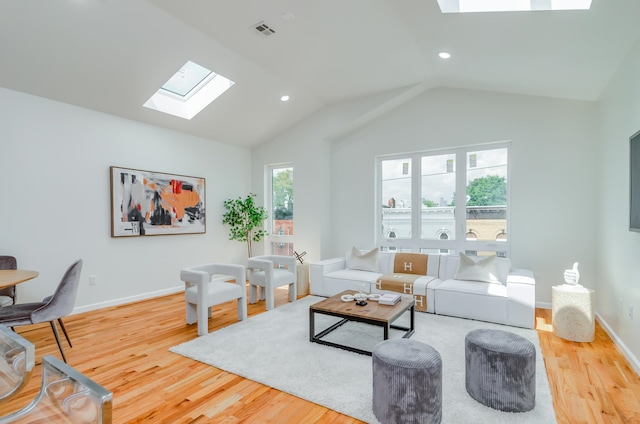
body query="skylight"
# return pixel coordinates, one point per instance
(469, 6)
(188, 91)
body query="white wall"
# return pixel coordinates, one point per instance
(54, 164)
(618, 276)
(553, 157)
(307, 146)
(553, 170)
(569, 179)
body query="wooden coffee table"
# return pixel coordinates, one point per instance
(372, 313)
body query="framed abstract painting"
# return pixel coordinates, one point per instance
(146, 203)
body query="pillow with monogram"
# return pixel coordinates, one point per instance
(410, 263)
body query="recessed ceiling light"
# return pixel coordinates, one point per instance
(284, 98)
(444, 55)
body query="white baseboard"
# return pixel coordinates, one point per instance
(121, 301)
(630, 357)
(543, 305)
(633, 361)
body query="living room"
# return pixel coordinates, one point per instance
(569, 184)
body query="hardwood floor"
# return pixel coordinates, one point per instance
(590, 382)
(125, 349)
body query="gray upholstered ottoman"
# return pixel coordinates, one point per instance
(500, 370)
(407, 382)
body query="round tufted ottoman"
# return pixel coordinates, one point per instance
(407, 382)
(500, 370)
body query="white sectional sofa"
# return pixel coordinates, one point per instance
(445, 288)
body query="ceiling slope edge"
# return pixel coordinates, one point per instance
(381, 109)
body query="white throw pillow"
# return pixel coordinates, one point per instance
(485, 269)
(363, 261)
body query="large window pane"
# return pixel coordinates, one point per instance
(487, 195)
(438, 185)
(396, 198)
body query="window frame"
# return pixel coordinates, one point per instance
(273, 238)
(457, 243)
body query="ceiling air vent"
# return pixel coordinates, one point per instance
(264, 29)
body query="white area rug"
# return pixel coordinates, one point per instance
(273, 348)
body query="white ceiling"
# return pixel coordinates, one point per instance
(112, 55)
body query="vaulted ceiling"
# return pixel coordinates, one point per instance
(112, 55)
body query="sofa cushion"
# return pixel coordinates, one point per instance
(472, 299)
(473, 287)
(363, 261)
(353, 275)
(481, 269)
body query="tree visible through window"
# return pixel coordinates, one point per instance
(419, 194)
(487, 191)
(281, 184)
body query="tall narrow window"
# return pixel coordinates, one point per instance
(281, 210)
(438, 188)
(487, 193)
(396, 198)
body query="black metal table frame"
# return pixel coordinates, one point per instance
(317, 338)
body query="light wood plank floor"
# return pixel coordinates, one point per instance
(125, 348)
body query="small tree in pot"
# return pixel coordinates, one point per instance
(245, 219)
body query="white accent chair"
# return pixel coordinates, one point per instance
(266, 273)
(209, 285)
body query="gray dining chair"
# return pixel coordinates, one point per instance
(8, 294)
(64, 329)
(60, 305)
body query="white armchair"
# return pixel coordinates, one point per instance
(266, 273)
(209, 285)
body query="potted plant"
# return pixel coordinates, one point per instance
(245, 220)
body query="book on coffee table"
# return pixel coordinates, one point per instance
(389, 299)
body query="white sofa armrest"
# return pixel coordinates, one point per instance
(521, 276)
(330, 265)
(521, 298)
(318, 270)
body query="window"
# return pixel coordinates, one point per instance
(437, 188)
(280, 237)
(188, 91)
(468, 6)
(396, 197)
(445, 201)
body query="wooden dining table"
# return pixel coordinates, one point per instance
(11, 277)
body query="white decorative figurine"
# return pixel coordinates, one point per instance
(572, 276)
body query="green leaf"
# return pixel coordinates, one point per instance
(245, 220)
